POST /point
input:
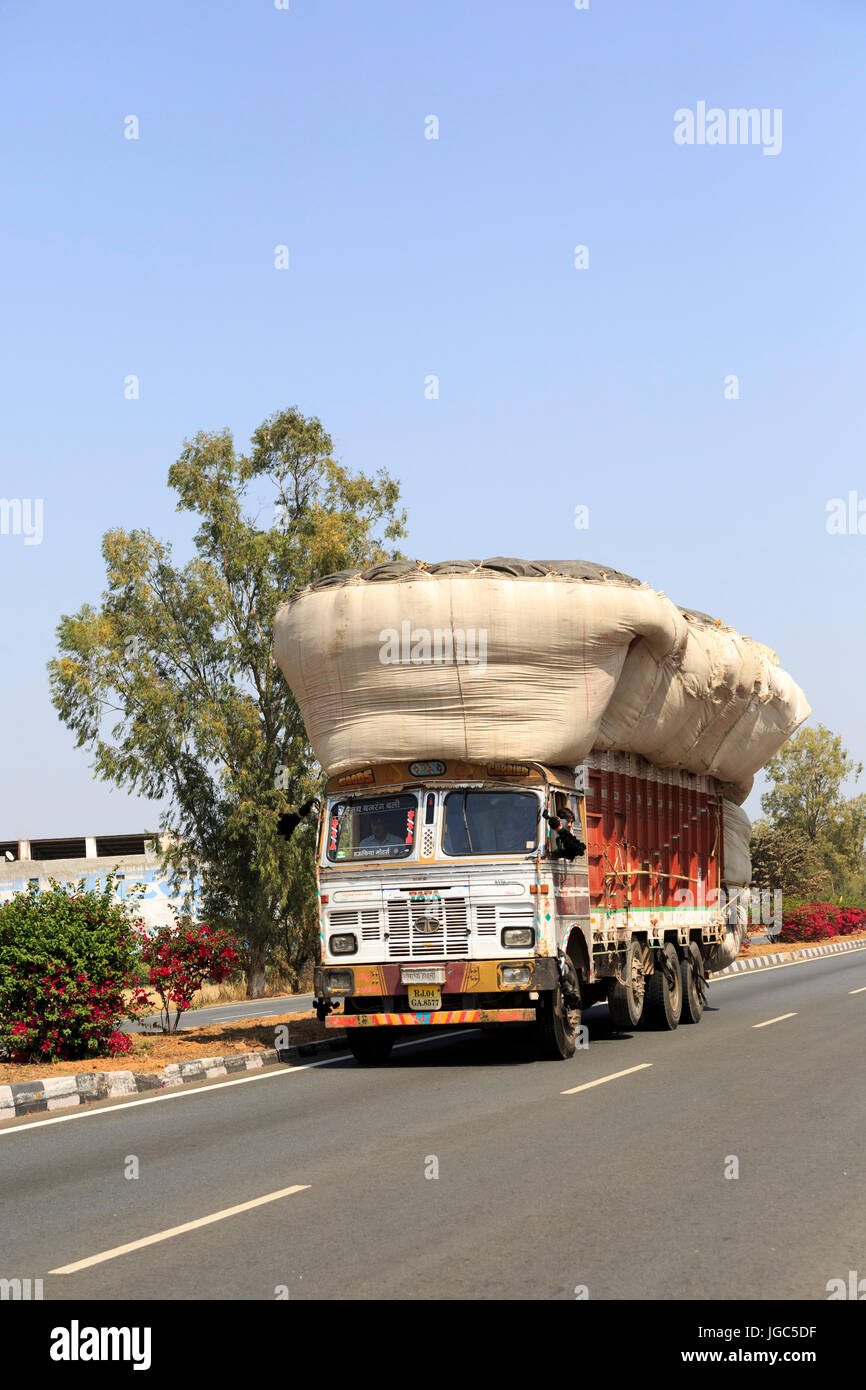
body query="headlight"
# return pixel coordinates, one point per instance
(339, 982)
(518, 936)
(517, 976)
(343, 944)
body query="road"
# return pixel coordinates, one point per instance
(231, 1013)
(618, 1188)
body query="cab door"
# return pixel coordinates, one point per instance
(570, 876)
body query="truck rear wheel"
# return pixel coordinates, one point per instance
(664, 990)
(560, 1017)
(694, 984)
(626, 998)
(369, 1046)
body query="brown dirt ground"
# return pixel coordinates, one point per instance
(152, 1053)
(766, 949)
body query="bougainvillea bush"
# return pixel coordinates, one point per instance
(821, 921)
(182, 958)
(66, 957)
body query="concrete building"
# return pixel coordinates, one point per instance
(91, 857)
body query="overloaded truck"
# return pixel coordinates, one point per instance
(534, 777)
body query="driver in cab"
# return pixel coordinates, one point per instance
(381, 836)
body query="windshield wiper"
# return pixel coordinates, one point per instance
(466, 824)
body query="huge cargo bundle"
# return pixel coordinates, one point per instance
(539, 660)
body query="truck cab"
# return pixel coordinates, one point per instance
(446, 898)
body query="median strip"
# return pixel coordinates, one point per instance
(768, 1021)
(614, 1076)
(178, 1230)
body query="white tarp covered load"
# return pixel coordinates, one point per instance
(737, 860)
(737, 855)
(539, 660)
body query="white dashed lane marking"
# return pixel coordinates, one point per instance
(614, 1076)
(178, 1230)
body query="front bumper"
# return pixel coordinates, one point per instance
(413, 1020)
(461, 976)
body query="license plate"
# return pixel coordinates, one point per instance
(425, 998)
(423, 975)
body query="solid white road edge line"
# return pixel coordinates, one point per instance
(768, 1021)
(588, 1085)
(786, 965)
(177, 1230)
(861, 990)
(87, 1113)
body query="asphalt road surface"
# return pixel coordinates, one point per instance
(542, 1188)
(230, 1013)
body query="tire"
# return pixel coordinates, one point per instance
(626, 1001)
(664, 992)
(694, 984)
(370, 1046)
(560, 1018)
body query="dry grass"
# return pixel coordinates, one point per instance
(152, 1053)
(235, 992)
(232, 992)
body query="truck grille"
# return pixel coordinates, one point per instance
(485, 919)
(524, 917)
(490, 918)
(432, 929)
(367, 920)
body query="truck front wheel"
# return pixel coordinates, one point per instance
(559, 1018)
(369, 1046)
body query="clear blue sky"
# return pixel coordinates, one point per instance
(453, 257)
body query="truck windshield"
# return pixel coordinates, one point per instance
(490, 823)
(372, 828)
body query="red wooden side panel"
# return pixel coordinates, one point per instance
(597, 829)
(648, 837)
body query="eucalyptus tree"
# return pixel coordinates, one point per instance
(171, 683)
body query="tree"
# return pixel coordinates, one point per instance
(842, 846)
(181, 659)
(782, 857)
(807, 776)
(805, 800)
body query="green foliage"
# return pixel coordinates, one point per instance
(782, 857)
(172, 682)
(299, 941)
(807, 776)
(66, 956)
(814, 844)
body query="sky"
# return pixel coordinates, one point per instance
(694, 377)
